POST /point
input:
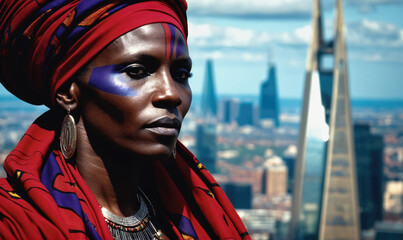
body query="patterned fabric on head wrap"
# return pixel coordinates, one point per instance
(44, 43)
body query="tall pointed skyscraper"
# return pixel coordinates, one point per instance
(209, 101)
(268, 108)
(206, 127)
(325, 199)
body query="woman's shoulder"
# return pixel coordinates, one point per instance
(12, 208)
(19, 219)
(7, 192)
(11, 202)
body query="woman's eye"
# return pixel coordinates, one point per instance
(182, 75)
(136, 71)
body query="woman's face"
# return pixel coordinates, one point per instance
(135, 93)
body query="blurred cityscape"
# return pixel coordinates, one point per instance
(255, 162)
(260, 150)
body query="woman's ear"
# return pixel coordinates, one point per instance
(68, 97)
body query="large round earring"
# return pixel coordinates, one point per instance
(68, 136)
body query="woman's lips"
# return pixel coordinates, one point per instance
(164, 131)
(165, 126)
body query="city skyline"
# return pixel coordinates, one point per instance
(240, 151)
(237, 35)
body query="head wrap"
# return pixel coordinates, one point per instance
(44, 43)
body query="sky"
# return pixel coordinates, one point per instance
(243, 36)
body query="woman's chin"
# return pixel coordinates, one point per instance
(161, 152)
(158, 153)
(161, 155)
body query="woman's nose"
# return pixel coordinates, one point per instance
(167, 95)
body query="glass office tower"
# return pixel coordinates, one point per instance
(325, 196)
(206, 146)
(209, 99)
(369, 158)
(268, 108)
(206, 126)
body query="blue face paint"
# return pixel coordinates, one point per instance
(181, 47)
(111, 80)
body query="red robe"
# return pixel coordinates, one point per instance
(44, 196)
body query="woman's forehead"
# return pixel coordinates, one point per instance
(144, 33)
(153, 38)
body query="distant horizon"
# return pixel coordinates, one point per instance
(240, 95)
(10, 103)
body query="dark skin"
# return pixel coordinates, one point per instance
(129, 103)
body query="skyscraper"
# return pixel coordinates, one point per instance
(389, 231)
(206, 144)
(205, 132)
(274, 180)
(245, 114)
(325, 198)
(268, 108)
(369, 157)
(240, 194)
(229, 110)
(289, 157)
(209, 101)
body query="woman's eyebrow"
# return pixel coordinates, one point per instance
(187, 61)
(153, 60)
(143, 58)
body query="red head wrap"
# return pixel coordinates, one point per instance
(44, 43)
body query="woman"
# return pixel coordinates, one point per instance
(104, 162)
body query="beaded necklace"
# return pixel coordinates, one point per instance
(138, 226)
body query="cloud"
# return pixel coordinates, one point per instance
(366, 33)
(224, 54)
(212, 37)
(298, 37)
(375, 2)
(251, 8)
(229, 43)
(368, 6)
(278, 9)
(367, 40)
(363, 33)
(377, 56)
(199, 54)
(374, 41)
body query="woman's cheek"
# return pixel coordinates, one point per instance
(109, 80)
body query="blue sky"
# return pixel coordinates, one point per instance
(239, 34)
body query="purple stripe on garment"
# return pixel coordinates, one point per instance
(66, 200)
(184, 225)
(110, 80)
